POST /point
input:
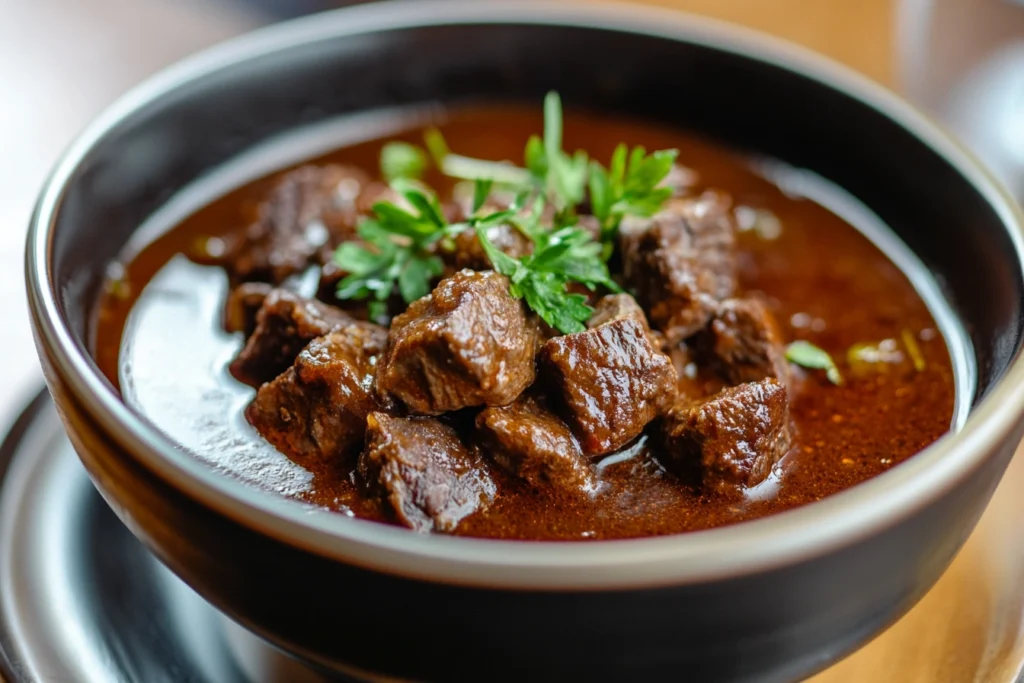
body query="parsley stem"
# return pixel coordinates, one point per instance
(466, 168)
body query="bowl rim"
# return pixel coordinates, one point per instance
(715, 554)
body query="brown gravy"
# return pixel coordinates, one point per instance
(157, 337)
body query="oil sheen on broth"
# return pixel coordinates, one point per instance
(157, 335)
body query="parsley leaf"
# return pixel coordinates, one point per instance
(563, 176)
(631, 186)
(564, 255)
(402, 160)
(481, 191)
(396, 250)
(549, 169)
(806, 354)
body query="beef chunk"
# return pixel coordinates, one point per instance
(470, 254)
(422, 469)
(734, 438)
(617, 306)
(242, 306)
(317, 408)
(609, 382)
(681, 262)
(309, 208)
(468, 343)
(743, 343)
(530, 442)
(286, 322)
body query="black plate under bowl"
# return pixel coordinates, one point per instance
(83, 601)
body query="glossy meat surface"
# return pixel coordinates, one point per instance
(310, 208)
(531, 442)
(733, 438)
(607, 382)
(285, 323)
(425, 473)
(466, 344)
(682, 262)
(317, 408)
(743, 343)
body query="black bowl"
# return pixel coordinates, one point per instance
(774, 599)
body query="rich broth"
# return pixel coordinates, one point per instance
(157, 335)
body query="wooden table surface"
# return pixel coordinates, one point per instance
(61, 60)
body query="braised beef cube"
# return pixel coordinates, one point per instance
(469, 253)
(317, 408)
(420, 467)
(681, 263)
(309, 208)
(286, 322)
(743, 343)
(609, 382)
(617, 306)
(531, 442)
(468, 343)
(242, 306)
(734, 438)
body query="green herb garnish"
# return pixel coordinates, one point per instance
(467, 168)
(916, 357)
(563, 176)
(402, 160)
(806, 354)
(565, 255)
(400, 241)
(631, 186)
(396, 250)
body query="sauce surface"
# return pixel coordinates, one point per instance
(158, 337)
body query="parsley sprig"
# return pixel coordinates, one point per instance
(563, 176)
(560, 256)
(402, 160)
(630, 186)
(397, 249)
(549, 170)
(807, 355)
(400, 242)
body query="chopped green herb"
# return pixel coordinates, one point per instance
(399, 244)
(402, 160)
(564, 255)
(468, 168)
(564, 176)
(631, 186)
(481, 191)
(914, 350)
(396, 250)
(806, 354)
(561, 176)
